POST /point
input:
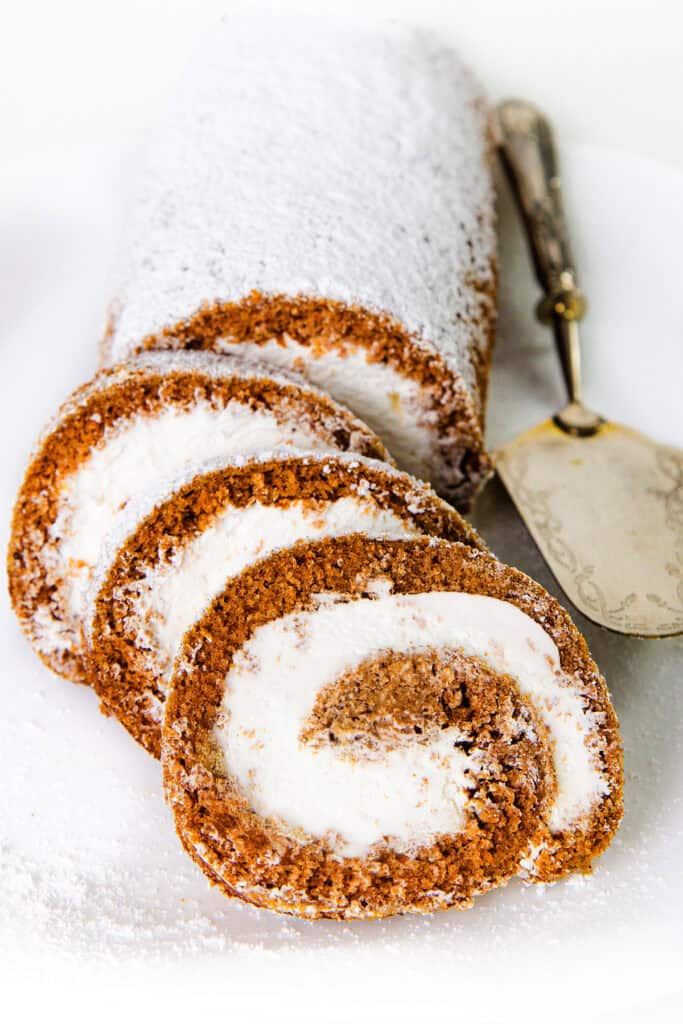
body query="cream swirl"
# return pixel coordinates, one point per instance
(417, 791)
(146, 449)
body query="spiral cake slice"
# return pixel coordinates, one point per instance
(361, 727)
(174, 550)
(320, 195)
(130, 426)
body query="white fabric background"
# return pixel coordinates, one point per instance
(609, 71)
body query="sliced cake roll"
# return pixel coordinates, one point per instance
(130, 426)
(174, 550)
(320, 195)
(360, 727)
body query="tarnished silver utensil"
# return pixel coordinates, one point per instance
(603, 502)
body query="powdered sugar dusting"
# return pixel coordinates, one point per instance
(111, 882)
(319, 159)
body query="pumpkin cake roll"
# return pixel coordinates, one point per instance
(130, 426)
(360, 727)
(174, 550)
(320, 195)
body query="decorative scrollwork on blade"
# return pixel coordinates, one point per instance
(630, 614)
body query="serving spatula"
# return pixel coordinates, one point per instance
(603, 502)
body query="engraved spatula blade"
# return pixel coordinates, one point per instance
(603, 502)
(606, 512)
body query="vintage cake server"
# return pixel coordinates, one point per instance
(603, 502)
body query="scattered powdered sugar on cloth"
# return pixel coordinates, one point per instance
(90, 866)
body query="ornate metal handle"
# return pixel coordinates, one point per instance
(528, 155)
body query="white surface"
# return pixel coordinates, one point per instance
(625, 214)
(413, 794)
(124, 916)
(610, 70)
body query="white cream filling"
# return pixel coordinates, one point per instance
(173, 596)
(143, 450)
(418, 791)
(391, 404)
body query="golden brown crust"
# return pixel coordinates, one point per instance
(453, 412)
(83, 423)
(217, 831)
(124, 676)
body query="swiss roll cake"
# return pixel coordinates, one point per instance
(360, 727)
(130, 426)
(244, 532)
(320, 195)
(176, 548)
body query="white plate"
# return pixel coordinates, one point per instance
(93, 882)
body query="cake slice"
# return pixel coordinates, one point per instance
(320, 195)
(360, 727)
(130, 426)
(175, 549)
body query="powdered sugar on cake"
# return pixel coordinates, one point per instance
(316, 159)
(338, 164)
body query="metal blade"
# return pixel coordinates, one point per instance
(607, 514)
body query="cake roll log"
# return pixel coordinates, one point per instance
(360, 727)
(320, 194)
(131, 425)
(174, 550)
